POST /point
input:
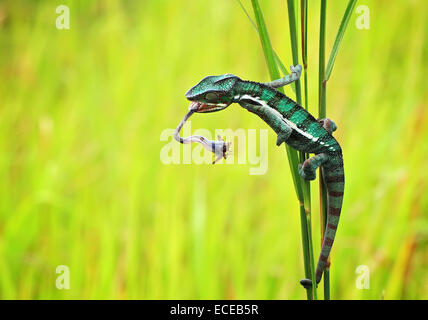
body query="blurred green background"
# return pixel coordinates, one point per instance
(83, 185)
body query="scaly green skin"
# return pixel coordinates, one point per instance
(294, 126)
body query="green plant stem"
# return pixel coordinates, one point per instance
(304, 41)
(339, 37)
(323, 77)
(321, 115)
(321, 68)
(291, 153)
(294, 46)
(304, 32)
(302, 156)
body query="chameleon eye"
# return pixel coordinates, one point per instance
(211, 96)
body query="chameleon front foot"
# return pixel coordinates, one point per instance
(296, 71)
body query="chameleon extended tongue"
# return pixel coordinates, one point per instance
(219, 147)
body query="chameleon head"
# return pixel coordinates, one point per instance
(212, 93)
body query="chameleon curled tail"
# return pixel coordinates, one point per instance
(334, 179)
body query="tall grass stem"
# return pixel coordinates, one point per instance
(323, 77)
(291, 153)
(302, 156)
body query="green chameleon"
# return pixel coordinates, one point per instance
(293, 125)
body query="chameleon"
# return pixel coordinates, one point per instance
(293, 125)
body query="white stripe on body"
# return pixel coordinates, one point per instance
(278, 114)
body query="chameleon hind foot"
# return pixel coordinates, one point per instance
(306, 283)
(328, 125)
(306, 172)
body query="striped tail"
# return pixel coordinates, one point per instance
(334, 179)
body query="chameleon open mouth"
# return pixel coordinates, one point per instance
(207, 107)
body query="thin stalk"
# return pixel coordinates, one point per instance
(291, 153)
(304, 32)
(294, 46)
(339, 36)
(321, 68)
(304, 41)
(321, 115)
(324, 76)
(302, 156)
